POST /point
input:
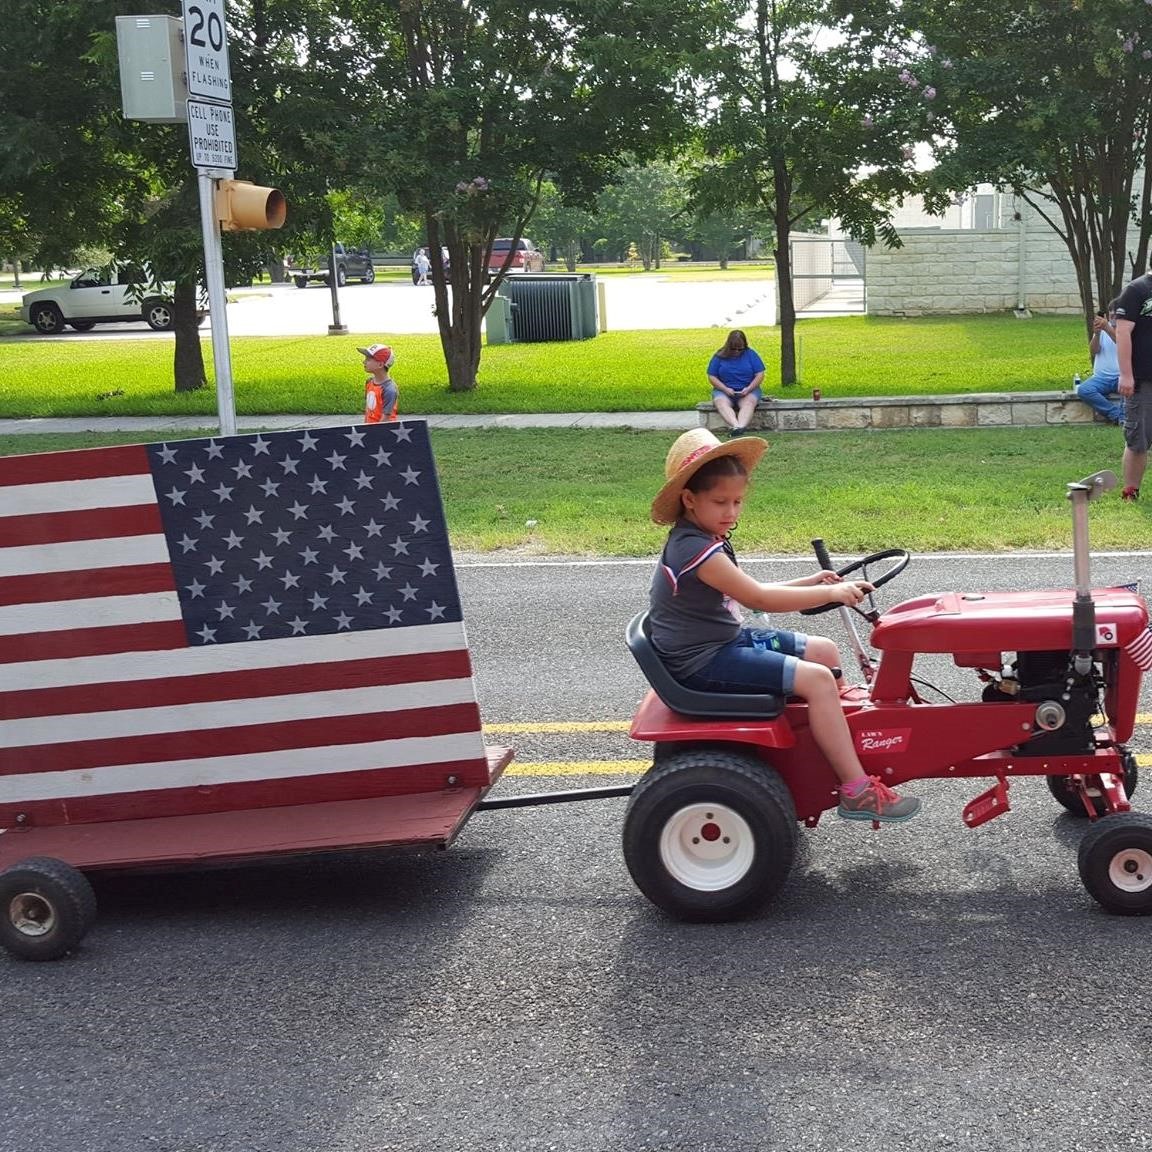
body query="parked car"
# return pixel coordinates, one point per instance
(100, 296)
(526, 258)
(350, 262)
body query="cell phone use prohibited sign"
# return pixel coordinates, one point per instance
(212, 134)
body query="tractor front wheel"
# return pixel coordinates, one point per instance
(1068, 796)
(710, 835)
(1115, 862)
(46, 907)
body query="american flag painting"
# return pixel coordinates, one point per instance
(238, 622)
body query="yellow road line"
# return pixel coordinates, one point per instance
(579, 768)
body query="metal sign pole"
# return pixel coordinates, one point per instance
(217, 303)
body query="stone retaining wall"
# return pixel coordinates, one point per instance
(966, 410)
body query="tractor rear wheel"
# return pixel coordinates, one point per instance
(1115, 862)
(710, 835)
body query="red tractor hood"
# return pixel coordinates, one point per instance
(1006, 621)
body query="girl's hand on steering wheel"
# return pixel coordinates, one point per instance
(849, 592)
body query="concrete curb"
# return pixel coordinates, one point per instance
(649, 421)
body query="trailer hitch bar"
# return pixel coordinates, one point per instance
(534, 799)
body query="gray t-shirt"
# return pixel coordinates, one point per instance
(691, 621)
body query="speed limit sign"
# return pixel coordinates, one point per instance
(206, 50)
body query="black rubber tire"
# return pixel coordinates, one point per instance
(1069, 799)
(159, 315)
(369, 276)
(341, 276)
(47, 319)
(738, 783)
(46, 907)
(300, 281)
(1115, 863)
(82, 325)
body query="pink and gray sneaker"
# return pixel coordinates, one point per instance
(876, 801)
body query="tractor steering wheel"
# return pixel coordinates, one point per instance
(899, 558)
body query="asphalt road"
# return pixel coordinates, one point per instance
(924, 987)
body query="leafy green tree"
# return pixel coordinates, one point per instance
(808, 116)
(58, 189)
(645, 206)
(1052, 99)
(466, 109)
(74, 172)
(721, 231)
(562, 226)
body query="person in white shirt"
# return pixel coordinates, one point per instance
(1097, 391)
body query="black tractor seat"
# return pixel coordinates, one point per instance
(689, 701)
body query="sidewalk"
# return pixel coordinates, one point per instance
(678, 421)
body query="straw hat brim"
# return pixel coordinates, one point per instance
(748, 450)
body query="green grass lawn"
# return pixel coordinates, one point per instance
(587, 492)
(615, 372)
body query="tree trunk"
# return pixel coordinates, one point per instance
(1140, 257)
(188, 355)
(460, 305)
(783, 255)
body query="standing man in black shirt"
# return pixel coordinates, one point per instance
(1134, 352)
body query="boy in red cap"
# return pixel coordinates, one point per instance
(381, 397)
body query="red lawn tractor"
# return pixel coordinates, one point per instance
(711, 829)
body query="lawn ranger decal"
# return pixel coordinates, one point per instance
(885, 741)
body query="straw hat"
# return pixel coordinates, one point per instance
(688, 455)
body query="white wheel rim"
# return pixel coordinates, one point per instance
(1130, 870)
(708, 847)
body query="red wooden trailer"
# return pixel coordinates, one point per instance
(225, 649)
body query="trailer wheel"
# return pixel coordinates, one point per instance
(710, 835)
(1115, 862)
(46, 907)
(1069, 799)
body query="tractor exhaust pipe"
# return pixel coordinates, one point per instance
(1084, 607)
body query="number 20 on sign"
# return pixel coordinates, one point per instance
(206, 50)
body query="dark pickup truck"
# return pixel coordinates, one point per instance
(350, 262)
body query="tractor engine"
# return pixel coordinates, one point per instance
(1066, 702)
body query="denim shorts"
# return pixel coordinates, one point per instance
(759, 660)
(718, 395)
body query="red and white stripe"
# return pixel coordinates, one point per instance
(106, 713)
(1140, 650)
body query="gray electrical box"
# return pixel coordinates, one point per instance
(153, 82)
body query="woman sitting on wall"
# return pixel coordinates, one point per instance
(736, 373)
